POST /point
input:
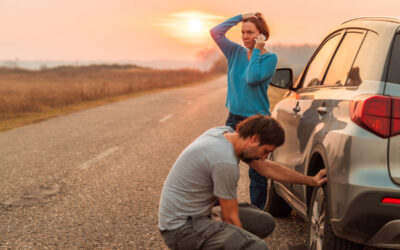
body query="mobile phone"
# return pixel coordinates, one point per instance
(263, 37)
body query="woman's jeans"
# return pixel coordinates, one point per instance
(208, 232)
(258, 183)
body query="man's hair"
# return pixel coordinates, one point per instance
(260, 24)
(267, 128)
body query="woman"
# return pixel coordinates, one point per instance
(250, 69)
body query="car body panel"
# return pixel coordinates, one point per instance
(393, 89)
(362, 167)
(394, 158)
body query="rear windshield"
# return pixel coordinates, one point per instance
(394, 66)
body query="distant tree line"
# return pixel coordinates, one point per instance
(293, 56)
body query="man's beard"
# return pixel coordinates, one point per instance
(244, 156)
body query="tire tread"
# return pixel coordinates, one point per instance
(331, 241)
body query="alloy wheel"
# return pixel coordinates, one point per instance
(317, 220)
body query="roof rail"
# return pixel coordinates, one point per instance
(381, 18)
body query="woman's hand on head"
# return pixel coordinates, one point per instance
(248, 15)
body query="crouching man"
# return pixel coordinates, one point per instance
(207, 171)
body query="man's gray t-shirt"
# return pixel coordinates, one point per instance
(206, 170)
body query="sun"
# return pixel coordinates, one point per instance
(190, 27)
(194, 25)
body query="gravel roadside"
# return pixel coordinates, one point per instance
(290, 233)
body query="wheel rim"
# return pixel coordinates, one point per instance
(317, 224)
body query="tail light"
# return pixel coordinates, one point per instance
(378, 114)
(395, 116)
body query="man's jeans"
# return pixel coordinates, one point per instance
(205, 232)
(258, 183)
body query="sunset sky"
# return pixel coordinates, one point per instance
(155, 29)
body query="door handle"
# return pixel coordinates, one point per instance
(322, 110)
(296, 109)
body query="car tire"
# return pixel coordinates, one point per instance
(320, 234)
(275, 205)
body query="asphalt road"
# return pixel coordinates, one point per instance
(92, 179)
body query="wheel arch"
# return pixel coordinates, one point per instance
(318, 161)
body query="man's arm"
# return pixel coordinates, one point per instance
(282, 173)
(230, 212)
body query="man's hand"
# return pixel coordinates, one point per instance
(230, 212)
(320, 178)
(248, 15)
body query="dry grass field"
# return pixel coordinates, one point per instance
(29, 96)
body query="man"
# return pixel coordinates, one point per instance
(206, 171)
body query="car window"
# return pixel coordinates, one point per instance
(364, 67)
(317, 68)
(394, 67)
(339, 69)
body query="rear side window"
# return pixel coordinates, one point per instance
(366, 63)
(340, 67)
(394, 67)
(317, 68)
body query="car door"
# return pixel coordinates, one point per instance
(318, 117)
(298, 113)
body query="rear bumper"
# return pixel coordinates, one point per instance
(370, 222)
(388, 236)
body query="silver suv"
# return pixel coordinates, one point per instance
(343, 114)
